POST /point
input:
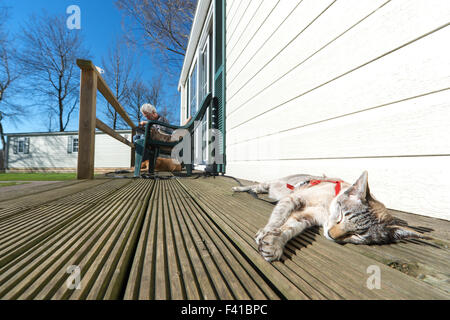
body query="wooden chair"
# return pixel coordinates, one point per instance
(156, 147)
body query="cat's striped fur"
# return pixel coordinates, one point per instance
(352, 216)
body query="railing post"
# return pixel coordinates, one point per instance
(86, 131)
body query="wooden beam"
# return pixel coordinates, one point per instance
(86, 134)
(109, 96)
(104, 127)
(105, 91)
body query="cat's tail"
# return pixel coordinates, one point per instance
(405, 232)
(256, 188)
(242, 189)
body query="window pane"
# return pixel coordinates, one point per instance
(75, 145)
(21, 145)
(204, 72)
(193, 91)
(187, 100)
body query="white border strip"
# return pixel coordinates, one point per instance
(197, 26)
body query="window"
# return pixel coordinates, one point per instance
(187, 99)
(21, 145)
(75, 145)
(204, 70)
(72, 144)
(198, 84)
(193, 91)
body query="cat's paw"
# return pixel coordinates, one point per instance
(270, 244)
(259, 235)
(263, 232)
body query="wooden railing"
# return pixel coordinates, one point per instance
(91, 81)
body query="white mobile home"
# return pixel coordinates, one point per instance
(334, 87)
(58, 151)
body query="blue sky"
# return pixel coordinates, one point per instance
(101, 24)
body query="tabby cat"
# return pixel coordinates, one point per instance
(348, 213)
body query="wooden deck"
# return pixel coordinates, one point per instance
(189, 238)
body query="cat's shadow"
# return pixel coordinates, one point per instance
(419, 229)
(301, 242)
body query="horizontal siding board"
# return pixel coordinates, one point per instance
(267, 30)
(290, 28)
(235, 31)
(45, 151)
(234, 9)
(237, 45)
(408, 128)
(393, 26)
(417, 184)
(110, 153)
(229, 5)
(417, 69)
(309, 31)
(50, 151)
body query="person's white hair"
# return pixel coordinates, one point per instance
(147, 107)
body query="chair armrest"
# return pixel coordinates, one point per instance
(198, 116)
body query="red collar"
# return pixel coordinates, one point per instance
(337, 189)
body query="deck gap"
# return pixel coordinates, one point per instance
(244, 255)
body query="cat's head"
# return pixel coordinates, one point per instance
(357, 217)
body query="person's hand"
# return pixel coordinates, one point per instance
(142, 123)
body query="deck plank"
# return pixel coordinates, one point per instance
(397, 284)
(189, 238)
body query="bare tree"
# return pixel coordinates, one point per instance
(8, 78)
(48, 59)
(140, 93)
(163, 25)
(118, 70)
(135, 99)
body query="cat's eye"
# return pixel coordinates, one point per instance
(341, 217)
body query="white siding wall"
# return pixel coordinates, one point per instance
(111, 153)
(51, 152)
(338, 87)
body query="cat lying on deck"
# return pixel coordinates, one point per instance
(348, 213)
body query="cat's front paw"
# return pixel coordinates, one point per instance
(270, 244)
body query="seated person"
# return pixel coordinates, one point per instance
(157, 132)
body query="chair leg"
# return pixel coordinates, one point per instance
(139, 155)
(152, 161)
(189, 169)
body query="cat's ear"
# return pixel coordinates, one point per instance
(402, 232)
(361, 187)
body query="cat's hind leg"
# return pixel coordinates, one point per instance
(272, 244)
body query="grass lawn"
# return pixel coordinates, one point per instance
(8, 184)
(37, 176)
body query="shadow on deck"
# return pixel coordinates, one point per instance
(189, 238)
